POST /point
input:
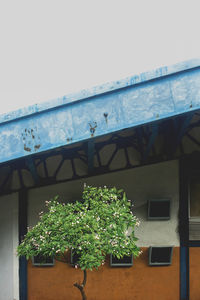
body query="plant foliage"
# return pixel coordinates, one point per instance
(94, 227)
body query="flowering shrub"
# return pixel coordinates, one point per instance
(101, 224)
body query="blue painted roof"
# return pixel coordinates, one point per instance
(140, 99)
(104, 88)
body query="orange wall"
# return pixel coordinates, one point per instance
(194, 273)
(140, 282)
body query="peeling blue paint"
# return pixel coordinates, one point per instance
(137, 100)
(97, 90)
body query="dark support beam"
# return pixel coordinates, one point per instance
(184, 230)
(73, 168)
(22, 231)
(169, 132)
(2, 186)
(183, 126)
(154, 134)
(91, 149)
(193, 139)
(31, 165)
(139, 135)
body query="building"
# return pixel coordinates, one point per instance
(141, 134)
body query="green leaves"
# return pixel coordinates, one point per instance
(93, 228)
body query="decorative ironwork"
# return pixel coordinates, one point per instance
(156, 142)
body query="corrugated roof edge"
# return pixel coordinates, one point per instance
(101, 89)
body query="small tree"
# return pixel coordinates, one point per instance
(92, 228)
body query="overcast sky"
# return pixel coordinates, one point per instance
(52, 48)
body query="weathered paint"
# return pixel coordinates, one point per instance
(140, 99)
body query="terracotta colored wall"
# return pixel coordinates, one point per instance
(140, 282)
(194, 273)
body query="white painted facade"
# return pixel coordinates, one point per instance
(9, 266)
(148, 182)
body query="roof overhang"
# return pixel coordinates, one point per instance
(163, 93)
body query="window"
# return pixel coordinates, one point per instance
(126, 261)
(42, 261)
(160, 256)
(159, 209)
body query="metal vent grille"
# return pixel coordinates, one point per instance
(194, 229)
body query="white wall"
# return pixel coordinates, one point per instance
(9, 267)
(155, 181)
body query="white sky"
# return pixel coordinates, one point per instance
(52, 48)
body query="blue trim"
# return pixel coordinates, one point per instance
(184, 272)
(23, 278)
(184, 230)
(194, 243)
(23, 285)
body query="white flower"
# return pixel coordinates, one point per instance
(137, 222)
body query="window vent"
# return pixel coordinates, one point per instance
(159, 209)
(126, 261)
(43, 261)
(194, 229)
(160, 256)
